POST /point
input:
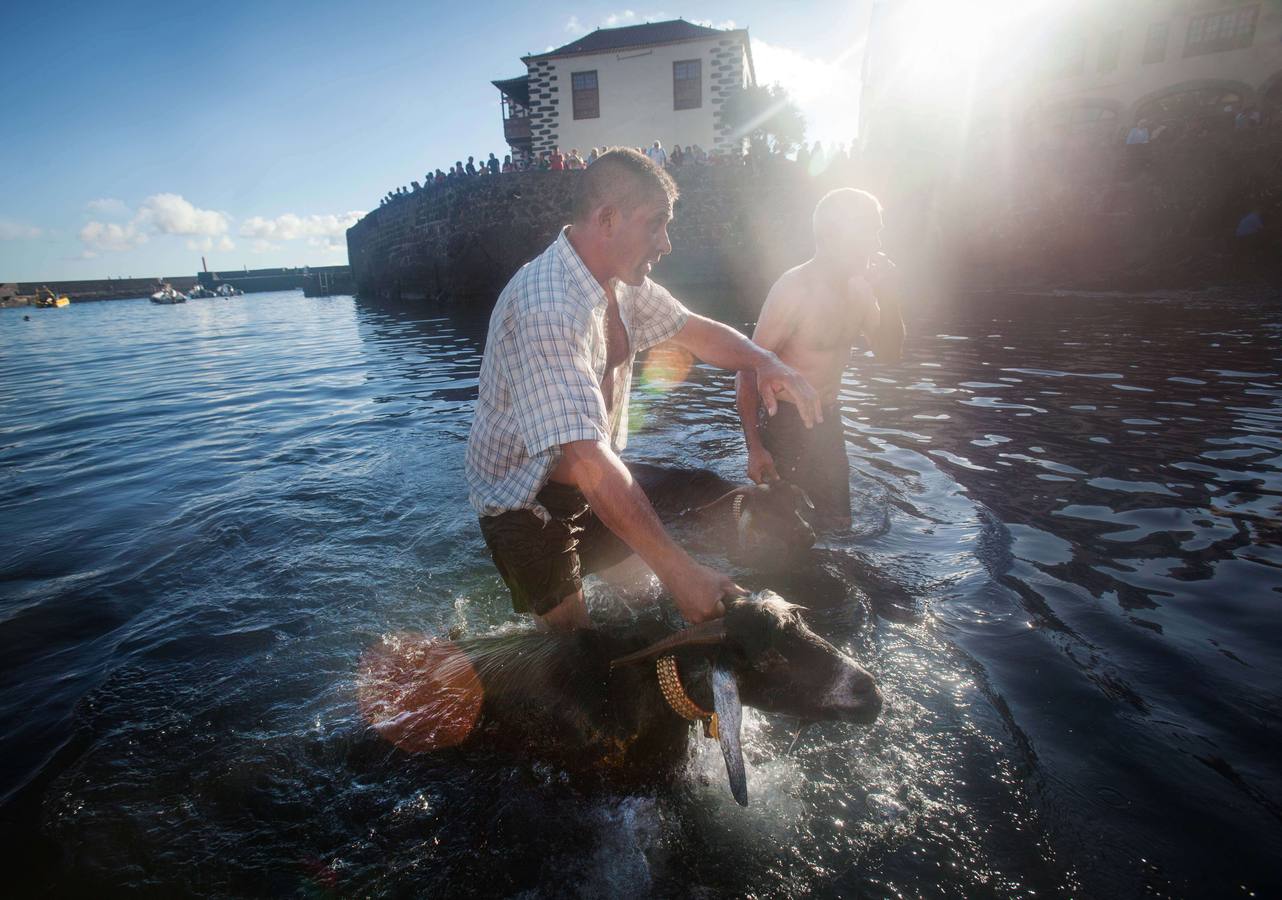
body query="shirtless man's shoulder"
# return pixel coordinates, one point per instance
(800, 290)
(791, 286)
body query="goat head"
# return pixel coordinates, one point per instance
(763, 655)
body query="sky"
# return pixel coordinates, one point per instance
(140, 136)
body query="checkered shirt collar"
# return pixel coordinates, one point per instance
(590, 291)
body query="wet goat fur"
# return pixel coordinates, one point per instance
(690, 495)
(555, 696)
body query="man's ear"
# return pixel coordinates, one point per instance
(607, 217)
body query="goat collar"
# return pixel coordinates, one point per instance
(675, 693)
(741, 520)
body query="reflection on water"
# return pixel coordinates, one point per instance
(1063, 571)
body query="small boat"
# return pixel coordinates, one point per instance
(226, 290)
(168, 295)
(200, 292)
(47, 299)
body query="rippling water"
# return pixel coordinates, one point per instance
(1064, 572)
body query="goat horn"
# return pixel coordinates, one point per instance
(713, 632)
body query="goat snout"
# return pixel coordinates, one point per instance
(854, 696)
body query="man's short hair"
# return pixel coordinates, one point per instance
(624, 178)
(844, 204)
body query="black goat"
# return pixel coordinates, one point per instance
(766, 525)
(592, 699)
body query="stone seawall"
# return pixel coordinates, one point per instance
(1096, 218)
(733, 231)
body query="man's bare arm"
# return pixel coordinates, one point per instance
(619, 502)
(775, 325)
(726, 348)
(761, 463)
(884, 326)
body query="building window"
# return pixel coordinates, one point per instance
(1229, 30)
(1110, 51)
(587, 102)
(687, 84)
(1155, 46)
(1065, 56)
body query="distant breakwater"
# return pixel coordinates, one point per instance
(734, 231)
(312, 279)
(100, 289)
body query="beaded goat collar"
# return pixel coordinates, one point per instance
(679, 700)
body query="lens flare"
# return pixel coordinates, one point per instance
(418, 692)
(666, 366)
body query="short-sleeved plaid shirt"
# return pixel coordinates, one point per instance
(541, 374)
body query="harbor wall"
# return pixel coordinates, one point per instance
(253, 281)
(1162, 215)
(733, 231)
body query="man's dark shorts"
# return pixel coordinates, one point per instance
(542, 564)
(814, 459)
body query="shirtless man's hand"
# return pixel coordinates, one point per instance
(775, 379)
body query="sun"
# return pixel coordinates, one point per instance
(929, 43)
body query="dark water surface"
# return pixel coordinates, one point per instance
(1065, 573)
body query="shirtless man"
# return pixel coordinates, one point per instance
(811, 318)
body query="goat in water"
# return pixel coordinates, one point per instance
(765, 525)
(593, 698)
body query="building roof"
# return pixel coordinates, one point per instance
(605, 39)
(516, 88)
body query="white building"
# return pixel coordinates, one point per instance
(1086, 74)
(663, 81)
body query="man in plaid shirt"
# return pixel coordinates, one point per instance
(543, 470)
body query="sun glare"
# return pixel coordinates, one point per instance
(937, 41)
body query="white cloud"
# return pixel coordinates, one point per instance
(631, 17)
(574, 26)
(207, 231)
(209, 244)
(108, 208)
(627, 17)
(159, 214)
(17, 231)
(111, 236)
(171, 214)
(292, 227)
(330, 244)
(726, 25)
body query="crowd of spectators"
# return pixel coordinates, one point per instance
(811, 158)
(1165, 199)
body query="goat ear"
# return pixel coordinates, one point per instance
(725, 700)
